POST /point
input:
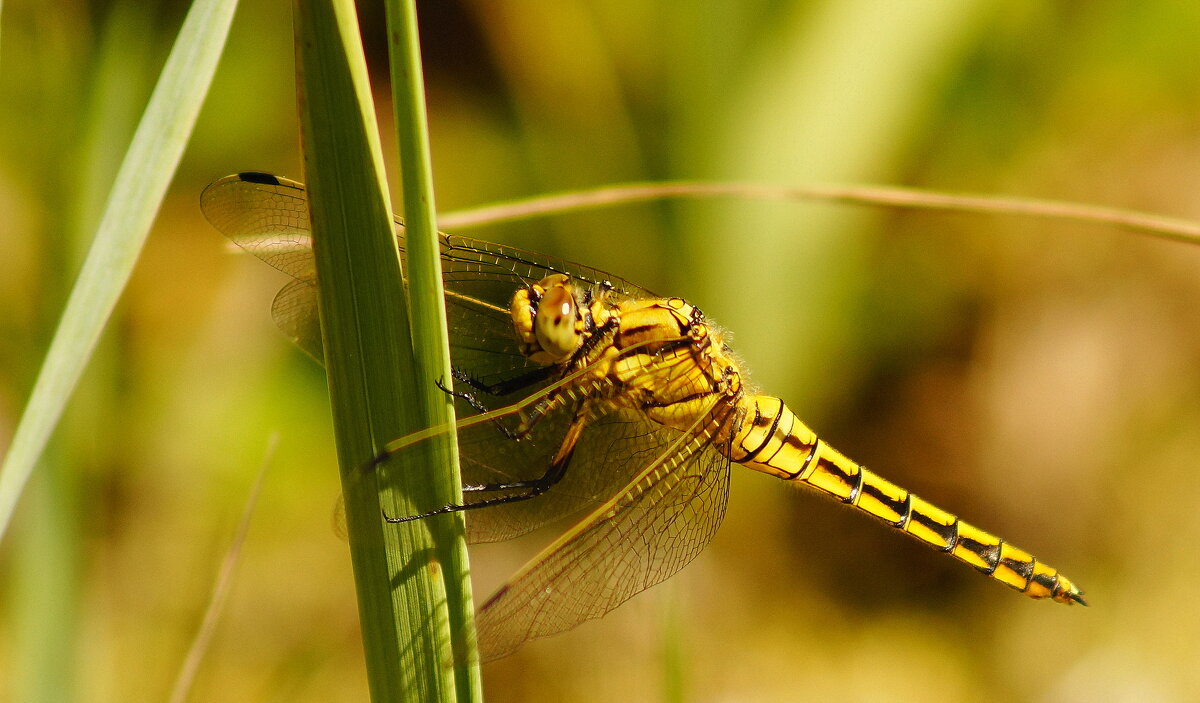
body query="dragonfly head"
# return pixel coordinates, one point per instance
(547, 321)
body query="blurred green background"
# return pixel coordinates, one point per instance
(1039, 378)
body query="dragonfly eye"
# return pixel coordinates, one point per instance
(555, 325)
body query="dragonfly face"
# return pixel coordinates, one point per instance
(605, 400)
(552, 319)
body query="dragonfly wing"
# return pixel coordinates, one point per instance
(482, 341)
(650, 530)
(295, 313)
(267, 216)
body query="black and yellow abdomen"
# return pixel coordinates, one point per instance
(773, 440)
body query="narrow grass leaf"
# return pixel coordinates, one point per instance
(136, 194)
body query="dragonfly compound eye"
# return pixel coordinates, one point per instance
(555, 326)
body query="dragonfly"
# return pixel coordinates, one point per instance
(602, 400)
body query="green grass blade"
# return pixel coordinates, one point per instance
(399, 573)
(427, 306)
(132, 204)
(45, 586)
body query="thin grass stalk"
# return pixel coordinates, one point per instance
(431, 342)
(1147, 223)
(185, 679)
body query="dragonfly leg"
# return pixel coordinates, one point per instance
(504, 388)
(496, 389)
(479, 407)
(463, 395)
(500, 389)
(529, 488)
(530, 419)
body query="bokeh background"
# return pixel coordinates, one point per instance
(1039, 378)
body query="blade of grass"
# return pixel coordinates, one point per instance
(132, 204)
(431, 342)
(45, 586)
(221, 585)
(368, 356)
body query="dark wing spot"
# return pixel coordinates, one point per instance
(258, 177)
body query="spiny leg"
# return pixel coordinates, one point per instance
(528, 421)
(469, 398)
(530, 488)
(503, 388)
(512, 385)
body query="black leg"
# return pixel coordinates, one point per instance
(529, 489)
(479, 407)
(512, 385)
(527, 421)
(463, 395)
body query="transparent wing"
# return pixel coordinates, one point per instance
(268, 216)
(295, 313)
(652, 528)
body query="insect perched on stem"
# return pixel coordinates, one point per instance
(584, 393)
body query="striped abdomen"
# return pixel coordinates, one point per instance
(773, 440)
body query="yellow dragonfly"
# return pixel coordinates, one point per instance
(608, 401)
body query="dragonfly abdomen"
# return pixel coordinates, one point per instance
(773, 440)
